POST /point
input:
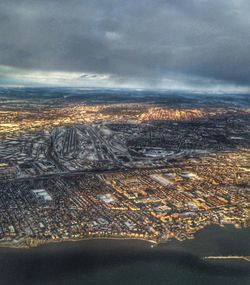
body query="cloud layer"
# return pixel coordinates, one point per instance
(145, 43)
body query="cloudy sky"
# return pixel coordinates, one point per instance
(172, 44)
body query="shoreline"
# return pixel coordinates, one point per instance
(41, 243)
(95, 260)
(34, 243)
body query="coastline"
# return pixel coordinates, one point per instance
(99, 260)
(35, 243)
(39, 243)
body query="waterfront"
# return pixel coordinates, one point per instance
(131, 261)
(151, 167)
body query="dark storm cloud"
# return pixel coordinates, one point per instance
(144, 41)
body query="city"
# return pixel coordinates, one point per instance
(124, 142)
(153, 171)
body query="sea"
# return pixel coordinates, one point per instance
(131, 262)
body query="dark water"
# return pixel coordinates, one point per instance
(131, 262)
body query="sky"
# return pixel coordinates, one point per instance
(167, 44)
